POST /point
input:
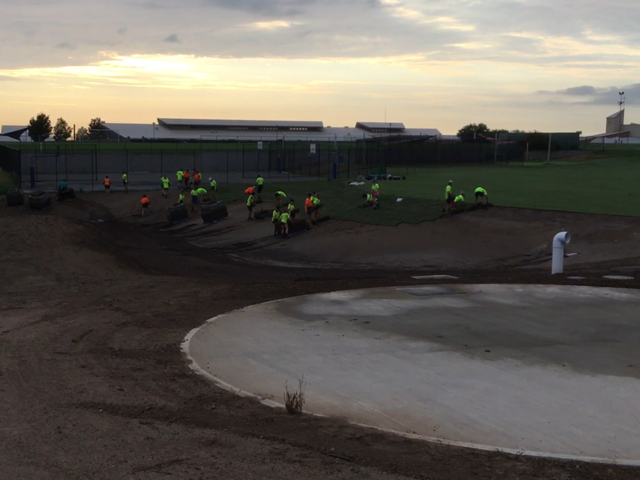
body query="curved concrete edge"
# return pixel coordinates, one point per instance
(476, 446)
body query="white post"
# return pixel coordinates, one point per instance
(557, 259)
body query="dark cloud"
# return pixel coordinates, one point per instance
(173, 38)
(597, 95)
(65, 46)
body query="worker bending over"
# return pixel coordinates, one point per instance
(145, 205)
(194, 200)
(280, 196)
(481, 196)
(181, 197)
(459, 200)
(369, 200)
(250, 204)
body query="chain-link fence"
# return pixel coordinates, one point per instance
(85, 165)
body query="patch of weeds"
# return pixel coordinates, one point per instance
(294, 399)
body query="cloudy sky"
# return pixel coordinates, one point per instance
(526, 64)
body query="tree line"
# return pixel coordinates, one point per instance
(40, 129)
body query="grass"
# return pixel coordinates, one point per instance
(294, 399)
(7, 182)
(603, 186)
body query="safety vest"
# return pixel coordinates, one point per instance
(481, 190)
(202, 191)
(180, 175)
(196, 177)
(291, 207)
(369, 197)
(375, 187)
(194, 193)
(260, 181)
(187, 174)
(284, 217)
(275, 216)
(181, 198)
(144, 201)
(249, 191)
(214, 184)
(125, 178)
(281, 193)
(107, 182)
(315, 200)
(165, 182)
(459, 199)
(250, 201)
(447, 192)
(307, 204)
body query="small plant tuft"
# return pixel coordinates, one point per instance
(294, 399)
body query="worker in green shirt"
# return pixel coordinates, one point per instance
(375, 188)
(194, 200)
(259, 186)
(279, 196)
(181, 197)
(275, 219)
(202, 194)
(180, 178)
(125, 182)
(291, 209)
(369, 201)
(448, 195)
(481, 196)
(250, 205)
(459, 200)
(284, 222)
(165, 184)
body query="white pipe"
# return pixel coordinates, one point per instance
(557, 260)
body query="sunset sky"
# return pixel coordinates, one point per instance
(548, 65)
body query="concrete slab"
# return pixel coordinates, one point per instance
(544, 370)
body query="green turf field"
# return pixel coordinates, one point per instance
(607, 186)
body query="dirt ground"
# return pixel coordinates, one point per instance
(95, 303)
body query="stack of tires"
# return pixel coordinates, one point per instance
(15, 198)
(39, 200)
(177, 212)
(212, 212)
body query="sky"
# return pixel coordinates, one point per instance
(546, 65)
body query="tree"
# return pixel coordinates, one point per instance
(82, 134)
(472, 130)
(96, 130)
(40, 127)
(61, 131)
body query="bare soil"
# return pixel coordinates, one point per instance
(94, 304)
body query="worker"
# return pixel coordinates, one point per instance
(308, 206)
(194, 200)
(165, 184)
(259, 186)
(214, 184)
(63, 187)
(459, 200)
(284, 222)
(203, 195)
(291, 209)
(197, 179)
(250, 204)
(279, 196)
(275, 219)
(375, 188)
(107, 184)
(125, 182)
(187, 178)
(181, 197)
(448, 195)
(369, 200)
(180, 178)
(481, 196)
(145, 205)
(317, 204)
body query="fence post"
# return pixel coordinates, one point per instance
(227, 166)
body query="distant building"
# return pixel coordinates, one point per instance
(169, 129)
(616, 131)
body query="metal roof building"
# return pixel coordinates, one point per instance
(169, 129)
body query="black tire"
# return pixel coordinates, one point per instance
(298, 225)
(39, 201)
(213, 212)
(323, 218)
(15, 198)
(176, 213)
(260, 214)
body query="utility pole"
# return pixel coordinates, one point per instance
(621, 115)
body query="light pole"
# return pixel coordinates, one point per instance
(620, 115)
